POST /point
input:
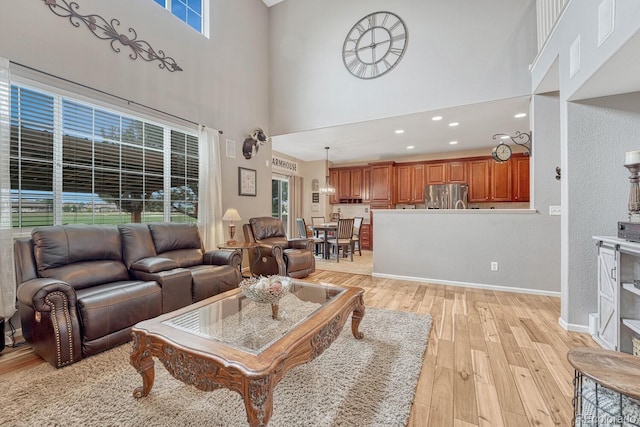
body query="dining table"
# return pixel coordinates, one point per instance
(325, 228)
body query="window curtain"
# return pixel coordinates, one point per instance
(210, 188)
(295, 203)
(7, 276)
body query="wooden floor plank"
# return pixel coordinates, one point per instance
(503, 351)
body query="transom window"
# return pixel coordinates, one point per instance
(73, 162)
(189, 11)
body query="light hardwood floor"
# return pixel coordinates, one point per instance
(493, 359)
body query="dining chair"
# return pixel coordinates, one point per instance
(357, 223)
(305, 233)
(343, 238)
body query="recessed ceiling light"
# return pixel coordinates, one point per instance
(453, 142)
(505, 137)
(452, 124)
(436, 118)
(410, 147)
(520, 115)
(399, 130)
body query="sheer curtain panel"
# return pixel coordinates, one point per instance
(210, 189)
(7, 276)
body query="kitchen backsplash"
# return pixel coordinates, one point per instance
(352, 211)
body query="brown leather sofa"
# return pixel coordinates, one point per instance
(82, 287)
(277, 254)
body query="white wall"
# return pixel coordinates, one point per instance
(458, 247)
(459, 52)
(224, 83)
(594, 134)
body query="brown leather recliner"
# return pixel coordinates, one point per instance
(277, 254)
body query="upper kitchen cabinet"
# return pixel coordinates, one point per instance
(334, 180)
(382, 185)
(454, 172)
(436, 173)
(479, 184)
(520, 184)
(349, 185)
(366, 185)
(491, 181)
(410, 183)
(457, 172)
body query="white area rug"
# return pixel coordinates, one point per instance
(368, 382)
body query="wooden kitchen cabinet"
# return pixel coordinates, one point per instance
(436, 173)
(344, 184)
(479, 180)
(365, 236)
(383, 184)
(500, 179)
(348, 183)
(446, 172)
(410, 183)
(334, 180)
(457, 172)
(366, 185)
(520, 170)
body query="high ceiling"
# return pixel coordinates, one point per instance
(377, 140)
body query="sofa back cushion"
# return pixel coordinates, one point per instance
(171, 236)
(180, 242)
(267, 227)
(82, 255)
(136, 243)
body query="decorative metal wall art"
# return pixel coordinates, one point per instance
(106, 30)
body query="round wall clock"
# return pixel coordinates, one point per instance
(501, 153)
(375, 45)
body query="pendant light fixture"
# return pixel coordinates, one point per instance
(327, 189)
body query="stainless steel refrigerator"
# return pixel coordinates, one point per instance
(446, 196)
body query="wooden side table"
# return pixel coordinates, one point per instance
(244, 246)
(612, 398)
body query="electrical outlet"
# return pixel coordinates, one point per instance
(494, 266)
(555, 210)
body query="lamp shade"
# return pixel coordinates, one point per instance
(231, 215)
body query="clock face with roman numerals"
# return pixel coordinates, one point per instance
(375, 45)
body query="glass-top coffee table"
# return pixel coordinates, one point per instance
(232, 342)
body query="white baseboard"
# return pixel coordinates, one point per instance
(426, 281)
(573, 327)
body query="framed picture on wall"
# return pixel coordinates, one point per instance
(246, 182)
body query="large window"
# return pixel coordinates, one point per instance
(72, 162)
(189, 11)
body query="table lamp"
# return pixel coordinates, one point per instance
(231, 215)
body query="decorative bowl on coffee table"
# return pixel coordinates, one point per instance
(266, 290)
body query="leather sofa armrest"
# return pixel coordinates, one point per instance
(301, 244)
(154, 264)
(49, 319)
(232, 257)
(175, 284)
(34, 293)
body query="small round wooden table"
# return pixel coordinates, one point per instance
(243, 246)
(613, 370)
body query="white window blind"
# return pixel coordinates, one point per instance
(73, 162)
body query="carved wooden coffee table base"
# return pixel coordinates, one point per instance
(209, 365)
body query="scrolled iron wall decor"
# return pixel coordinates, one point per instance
(106, 30)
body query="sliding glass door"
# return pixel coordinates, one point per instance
(280, 199)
